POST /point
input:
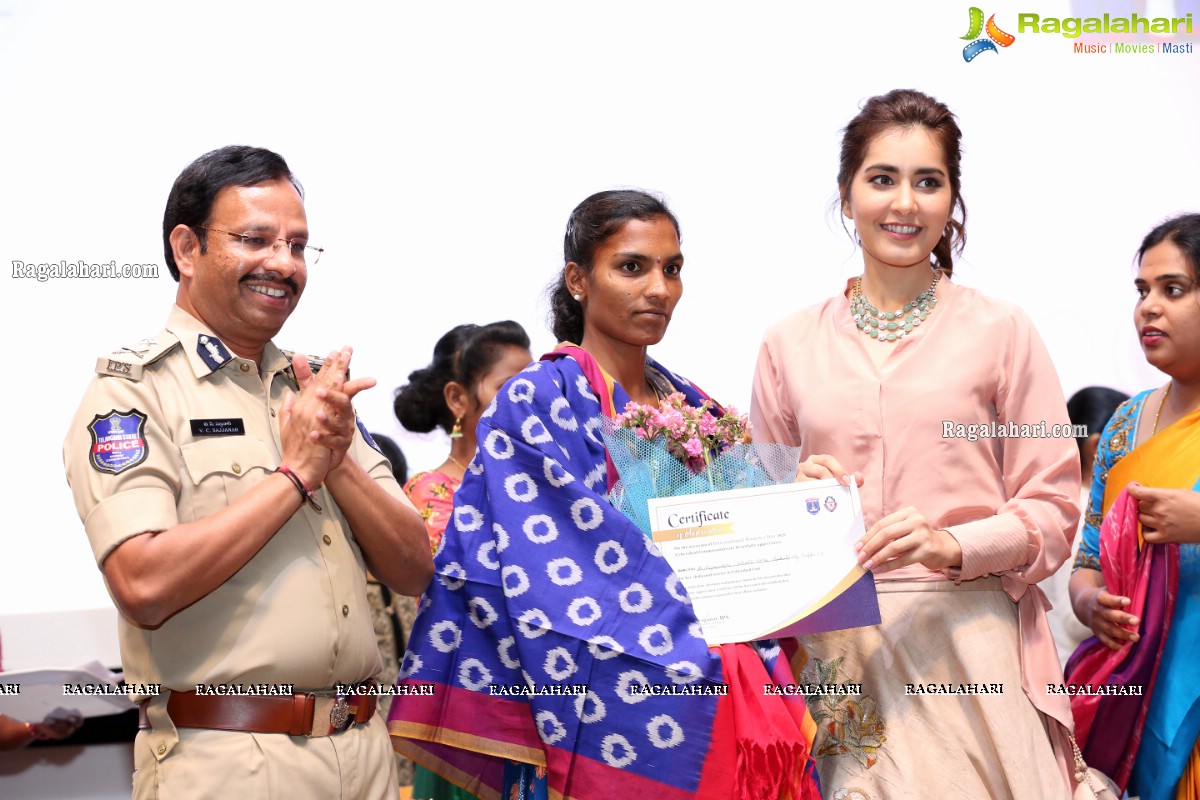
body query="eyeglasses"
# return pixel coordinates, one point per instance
(256, 245)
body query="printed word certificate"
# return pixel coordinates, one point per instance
(769, 561)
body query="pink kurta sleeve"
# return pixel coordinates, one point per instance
(1029, 536)
(771, 416)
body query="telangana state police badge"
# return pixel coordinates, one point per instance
(118, 440)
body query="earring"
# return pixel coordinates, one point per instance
(457, 432)
(578, 298)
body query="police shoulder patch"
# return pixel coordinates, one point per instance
(118, 440)
(366, 434)
(129, 361)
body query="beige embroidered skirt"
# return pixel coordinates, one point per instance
(929, 704)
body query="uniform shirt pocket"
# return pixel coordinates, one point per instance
(221, 470)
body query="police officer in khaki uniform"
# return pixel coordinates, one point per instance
(234, 505)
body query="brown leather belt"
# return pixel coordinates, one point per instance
(313, 714)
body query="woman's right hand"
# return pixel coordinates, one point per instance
(820, 467)
(1108, 620)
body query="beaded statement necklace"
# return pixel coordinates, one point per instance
(891, 326)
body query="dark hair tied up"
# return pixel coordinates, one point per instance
(464, 354)
(1184, 232)
(908, 108)
(591, 223)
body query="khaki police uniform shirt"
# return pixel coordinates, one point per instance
(196, 428)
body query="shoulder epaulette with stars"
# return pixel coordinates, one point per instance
(314, 362)
(129, 361)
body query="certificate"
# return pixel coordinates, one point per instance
(771, 561)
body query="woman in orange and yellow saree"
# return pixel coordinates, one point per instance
(1137, 585)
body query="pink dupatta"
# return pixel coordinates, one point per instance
(1147, 575)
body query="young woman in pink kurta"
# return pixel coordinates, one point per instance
(954, 700)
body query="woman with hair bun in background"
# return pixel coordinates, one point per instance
(470, 364)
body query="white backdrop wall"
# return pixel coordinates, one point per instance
(442, 146)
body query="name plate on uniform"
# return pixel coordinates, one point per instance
(768, 562)
(230, 426)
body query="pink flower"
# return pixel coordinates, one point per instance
(675, 421)
(687, 432)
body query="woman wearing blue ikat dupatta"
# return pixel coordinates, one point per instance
(545, 588)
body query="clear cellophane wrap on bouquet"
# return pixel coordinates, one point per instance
(673, 463)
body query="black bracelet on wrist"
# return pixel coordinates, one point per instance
(306, 496)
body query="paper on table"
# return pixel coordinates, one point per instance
(40, 693)
(758, 562)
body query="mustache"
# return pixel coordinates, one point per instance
(270, 277)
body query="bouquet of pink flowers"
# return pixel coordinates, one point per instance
(693, 435)
(677, 449)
